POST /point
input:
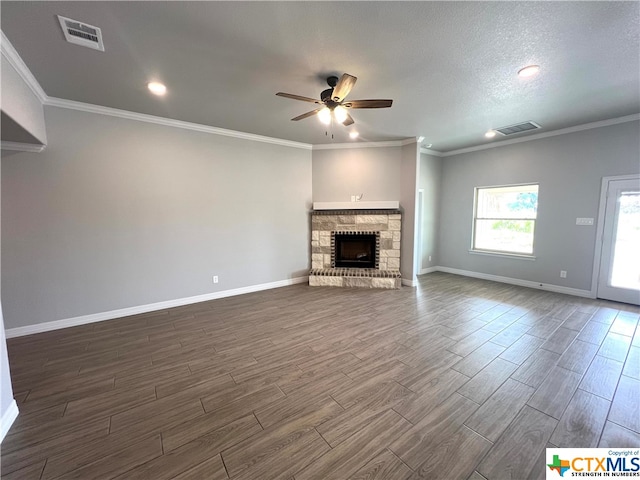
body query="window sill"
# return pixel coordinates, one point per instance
(489, 253)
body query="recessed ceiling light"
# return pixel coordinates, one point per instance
(353, 134)
(157, 88)
(528, 71)
(428, 145)
(490, 134)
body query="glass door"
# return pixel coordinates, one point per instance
(619, 277)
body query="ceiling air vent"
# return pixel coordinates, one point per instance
(519, 128)
(81, 33)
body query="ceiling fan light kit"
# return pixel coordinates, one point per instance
(333, 99)
(324, 115)
(340, 113)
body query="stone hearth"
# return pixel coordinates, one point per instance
(385, 223)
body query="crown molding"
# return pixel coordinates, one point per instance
(340, 146)
(142, 117)
(14, 59)
(537, 136)
(22, 147)
(410, 140)
(428, 151)
(383, 144)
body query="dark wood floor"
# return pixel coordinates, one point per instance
(457, 379)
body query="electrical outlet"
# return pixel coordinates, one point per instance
(429, 257)
(584, 221)
(215, 279)
(563, 274)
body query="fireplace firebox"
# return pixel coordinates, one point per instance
(355, 249)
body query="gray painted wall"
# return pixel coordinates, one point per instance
(410, 172)
(117, 213)
(569, 169)
(430, 180)
(340, 173)
(21, 104)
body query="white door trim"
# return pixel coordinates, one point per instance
(419, 231)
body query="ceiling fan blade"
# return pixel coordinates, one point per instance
(305, 115)
(298, 97)
(368, 103)
(348, 121)
(344, 86)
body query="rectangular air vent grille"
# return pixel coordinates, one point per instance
(81, 34)
(519, 128)
(87, 36)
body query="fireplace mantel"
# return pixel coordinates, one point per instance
(370, 205)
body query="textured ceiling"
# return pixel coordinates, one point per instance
(450, 67)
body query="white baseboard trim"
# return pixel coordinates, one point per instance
(125, 312)
(8, 417)
(22, 147)
(409, 283)
(428, 270)
(516, 281)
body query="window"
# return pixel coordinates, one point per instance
(505, 218)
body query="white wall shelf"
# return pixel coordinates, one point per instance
(369, 205)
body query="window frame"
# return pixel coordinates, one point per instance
(502, 253)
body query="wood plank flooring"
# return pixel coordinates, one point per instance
(326, 383)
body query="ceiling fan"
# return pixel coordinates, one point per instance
(333, 101)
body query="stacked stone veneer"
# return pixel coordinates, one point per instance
(324, 223)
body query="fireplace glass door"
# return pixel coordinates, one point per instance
(355, 251)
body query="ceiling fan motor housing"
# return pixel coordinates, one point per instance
(327, 94)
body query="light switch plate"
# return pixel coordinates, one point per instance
(584, 221)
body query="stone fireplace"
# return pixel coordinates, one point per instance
(355, 248)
